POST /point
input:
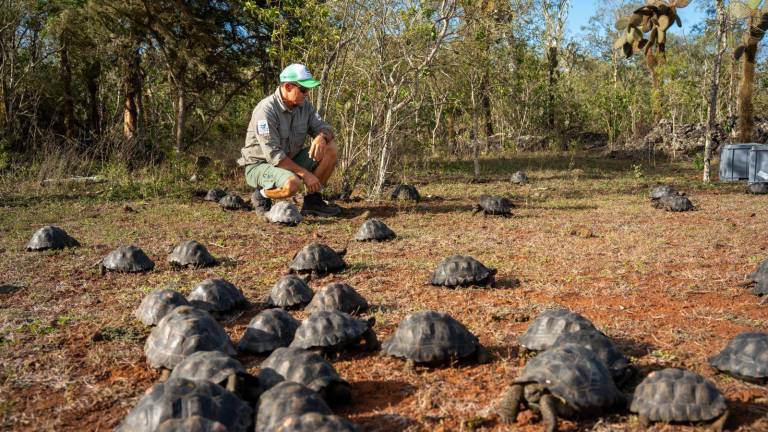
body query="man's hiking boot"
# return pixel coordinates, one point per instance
(316, 206)
(260, 204)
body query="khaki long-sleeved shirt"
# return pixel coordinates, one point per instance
(277, 132)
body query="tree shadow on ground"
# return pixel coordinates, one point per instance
(567, 207)
(504, 166)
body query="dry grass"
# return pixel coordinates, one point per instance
(663, 285)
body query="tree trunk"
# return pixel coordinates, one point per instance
(132, 88)
(746, 123)
(381, 176)
(552, 57)
(712, 109)
(68, 109)
(181, 117)
(485, 90)
(92, 75)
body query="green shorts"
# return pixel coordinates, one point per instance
(267, 176)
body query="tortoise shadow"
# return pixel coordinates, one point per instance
(388, 422)
(750, 416)
(632, 348)
(370, 396)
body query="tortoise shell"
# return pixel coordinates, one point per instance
(326, 329)
(314, 422)
(405, 192)
(519, 177)
(460, 270)
(432, 338)
(181, 399)
(191, 424)
(338, 296)
(50, 237)
(674, 203)
(576, 376)
(215, 194)
(157, 304)
(284, 212)
(232, 202)
(183, 332)
(216, 295)
(757, 188)
(661, 191)
(289, 292)
(213, 366)
(603, 347)
(299, 365)
(494, 205)
(549, 325)
(677, 395)
(285, 399)
(374, 230)
(190, 253)
(129, 259)
(745, 357)
(317, 258)
(267, 331)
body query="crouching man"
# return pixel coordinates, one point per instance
(275, 159)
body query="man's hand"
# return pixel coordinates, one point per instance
(313, 183)
(317, 148)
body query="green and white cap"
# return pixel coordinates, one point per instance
(298, 73)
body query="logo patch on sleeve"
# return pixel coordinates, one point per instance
(262, 127)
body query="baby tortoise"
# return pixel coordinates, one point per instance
(190, 253)
(564, 381)
(745, 357)
(333, 331)
(432, 338)
(338, 296)
(461, 270)
(267, 331)
(290, 292)
(181, 399)
(318, 259)
(679, 396)
(128, 259)
(307, 368)
(50, 237)
(493, 205)
(158, 304)
(221, 369)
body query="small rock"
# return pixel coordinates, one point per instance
(582, 232)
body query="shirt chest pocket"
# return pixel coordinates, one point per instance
(298, 135)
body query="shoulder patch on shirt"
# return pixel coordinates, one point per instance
(317, 116)
(262, 128)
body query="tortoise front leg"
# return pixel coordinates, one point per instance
(719, 423)
(644, 421)
(371, 341)
(483, 356)
(549, 412)
(410, 366)
(510, 404)
(232, 383)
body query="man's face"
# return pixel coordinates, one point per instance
(293, 94)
